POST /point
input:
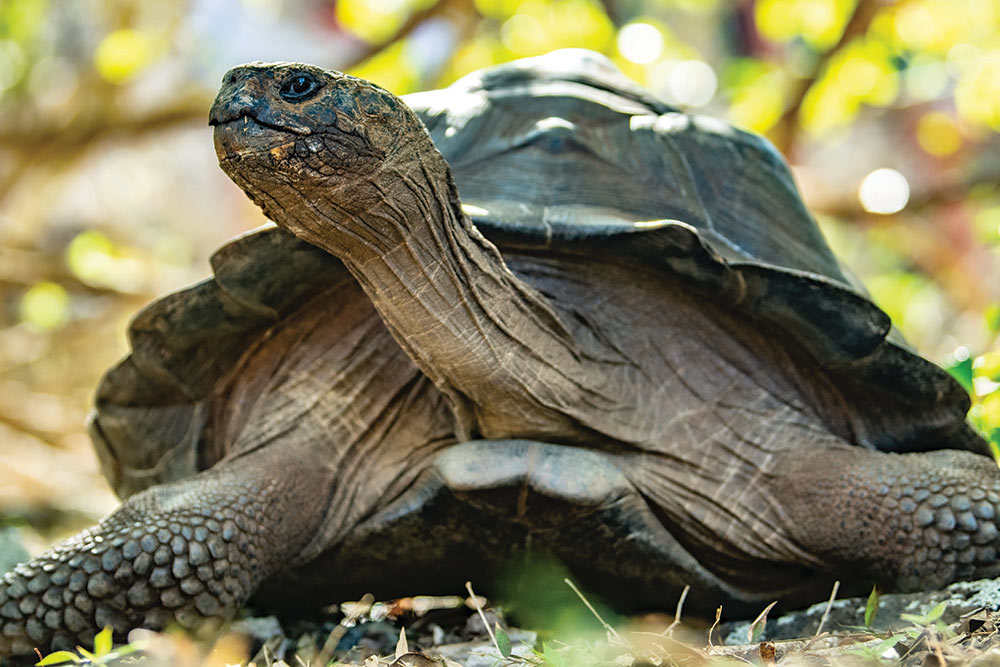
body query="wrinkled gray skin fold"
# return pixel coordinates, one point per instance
(637, 356)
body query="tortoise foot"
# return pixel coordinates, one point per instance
(178, 553)
(911, 521)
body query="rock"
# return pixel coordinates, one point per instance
(474, 624)
(990, 658)
(960, 599)
(483, 653)
(261, 628)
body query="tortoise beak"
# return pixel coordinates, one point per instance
(241, 94)
(245, 136)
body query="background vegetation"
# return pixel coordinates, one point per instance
(110, 195)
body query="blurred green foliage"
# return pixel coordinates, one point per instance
(109, 194)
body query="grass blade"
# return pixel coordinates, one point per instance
(871, 608)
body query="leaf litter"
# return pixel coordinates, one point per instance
(465, 632)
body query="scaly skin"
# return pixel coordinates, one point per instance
(912, 521)
(178, 552)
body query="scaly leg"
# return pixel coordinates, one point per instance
(183, 551)
(911, 521)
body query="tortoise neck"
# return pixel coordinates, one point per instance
(443, 290)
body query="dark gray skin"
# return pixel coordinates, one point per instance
(426, 410)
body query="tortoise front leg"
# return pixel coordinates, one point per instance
(182, 551)
(910, 521)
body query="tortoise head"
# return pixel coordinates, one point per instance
(289, 134)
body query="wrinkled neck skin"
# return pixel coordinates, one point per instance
(443, 290)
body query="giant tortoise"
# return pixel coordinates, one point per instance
(538, 311)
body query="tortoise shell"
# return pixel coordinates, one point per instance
(560, 151)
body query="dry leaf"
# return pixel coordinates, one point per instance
(767, 653)
(401, 646)
(415, 660)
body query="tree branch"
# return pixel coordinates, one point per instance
(404, 31)
(613, 12)
(43, 142)
(785, 131)
(19, 426)
(52, 138)
(20, 269)
(849, 208)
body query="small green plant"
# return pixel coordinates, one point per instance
(871, 608)
(551, 656)
(101, 655)
(757, 627)
(929, 619)
(503, 641)
(980, 376)
(924, 629)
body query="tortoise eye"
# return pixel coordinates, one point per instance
(298, 88)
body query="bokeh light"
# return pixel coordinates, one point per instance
(687, 83)
(522, 33)
(977, 94)
(45, 305)
(640, 43)
(937, 133)
(12, 62)
(375, 20)
(884, 191)
(122, 54)
(818, 22)
(926, 80)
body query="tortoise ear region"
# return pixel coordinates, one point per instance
(375, 102)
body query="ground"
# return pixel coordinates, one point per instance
(951, 627)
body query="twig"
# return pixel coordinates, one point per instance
(404, 31)
(482, 616)
(939, 653)
(677, 614)
(330, 645)
(829, 604)
(718, 615)
(849, 208)
(29, 140)
(39, 144)
(794, 648)
(826, 613)
(338, 632)
(45, 268)
(593, 611)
